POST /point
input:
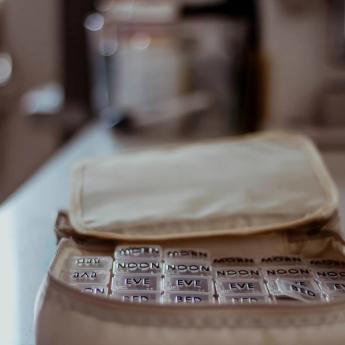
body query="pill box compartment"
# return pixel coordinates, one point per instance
(86, 266)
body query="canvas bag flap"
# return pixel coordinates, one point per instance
(250, 184)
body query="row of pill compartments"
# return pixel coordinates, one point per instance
(106, 262)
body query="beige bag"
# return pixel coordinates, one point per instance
(265, 194)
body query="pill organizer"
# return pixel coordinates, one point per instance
(212, 242)
(145, 275)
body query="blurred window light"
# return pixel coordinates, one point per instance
(46, 100)
(5, 68)
(140, 41)
(94, 22)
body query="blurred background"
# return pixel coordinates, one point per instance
(165, 70)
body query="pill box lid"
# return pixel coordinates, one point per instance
(271, 181)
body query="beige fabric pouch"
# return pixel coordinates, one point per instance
(264, 194)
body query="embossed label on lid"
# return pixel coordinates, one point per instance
(187, 268)
(281, 260)
(292, 290)
(142, 251)
(94, 289)
(329, 274)
(138, 296)
(243, 299)
(241, 286)
(136, 266)
(188, 283)
(186, 254)
(136, 282)
(334, 287)
(234, 261)
(306, 283)
(90, 262)
(286, 271)
(187, 298)
(330, 263)
(86, 276)
(237, 272)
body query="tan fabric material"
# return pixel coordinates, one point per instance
(258, 183)
(267, 182)
(65, 317)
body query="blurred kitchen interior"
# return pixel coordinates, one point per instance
(166, 70)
